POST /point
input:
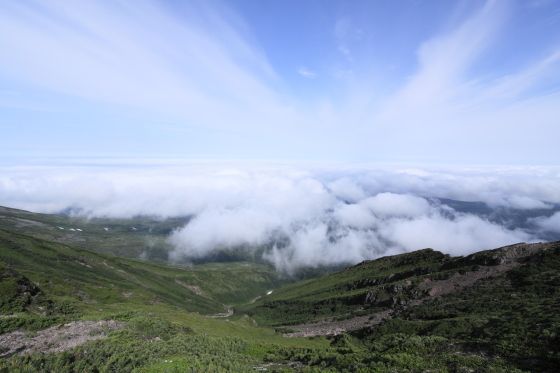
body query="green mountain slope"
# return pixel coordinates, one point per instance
(343, 291)
(53, 285)
(17, 292)
(139, 237)
(495, 304)
(493, 311)
(96, 280)
(400, 282)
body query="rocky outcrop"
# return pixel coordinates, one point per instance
(390, 295)
(368, 282)
(17, 292)
(520, 253)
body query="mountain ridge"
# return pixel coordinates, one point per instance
(389, 283)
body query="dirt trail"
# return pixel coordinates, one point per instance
(254, 300)
(228, 314)
(330, 327)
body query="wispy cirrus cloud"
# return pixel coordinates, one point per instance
(344, 30)
(194, 65)
(451, 104)
(184, 79)
(304, 71)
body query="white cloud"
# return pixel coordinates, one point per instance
(346, 189)
(302, 214)
(550, 224)
(303, 71)
(390, 204)
(517, 202)
(463, 235)
(195, 76)
(193, 65)
(449, 105)
(354, 215)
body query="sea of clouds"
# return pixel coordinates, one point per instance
(305, 214)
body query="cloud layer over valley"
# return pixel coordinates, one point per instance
(295, 214)
(145, 108)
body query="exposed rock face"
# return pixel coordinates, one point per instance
(23, 285)
(361, 284)
(17, 292)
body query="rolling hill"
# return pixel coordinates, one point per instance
(139, 237)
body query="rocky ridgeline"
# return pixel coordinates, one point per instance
(499, 260)
(398, 291)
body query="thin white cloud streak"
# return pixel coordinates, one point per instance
(344, 30)
(201, 68)
(306, 214)
(141, 57)
(434, 96)
(303, 71)
(511, 86)
(449, 107)
(517, 202)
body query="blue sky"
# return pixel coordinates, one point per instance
(424, 81)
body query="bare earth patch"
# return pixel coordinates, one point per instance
(195, 289)
(21, 223)
(69, 238)
(329, 326)
(458, 282)
(56, 339)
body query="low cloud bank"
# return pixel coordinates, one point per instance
(299, 214)
(328, 231)
(548, 224)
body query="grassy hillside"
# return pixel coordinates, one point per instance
(493, 311)
(343, 291)
(425, 307)
(140, 237)
(44, 283)
(98, 281)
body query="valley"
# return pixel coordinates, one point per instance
(67, 308)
